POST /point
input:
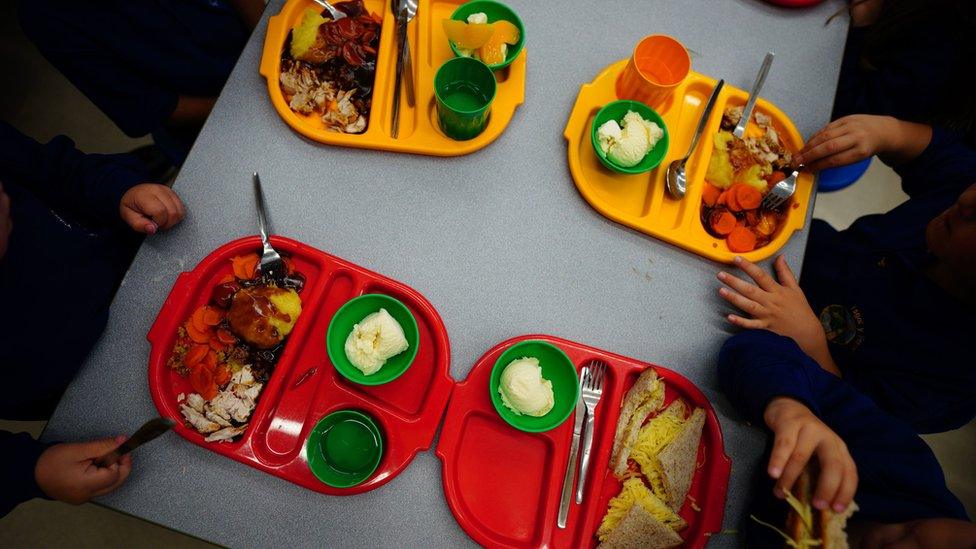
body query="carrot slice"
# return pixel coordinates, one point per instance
(723, 223)
(225, 336)
(196, 319)
(225, 279)
(202, 381)
(196, 335)
(710, 194)
(210, 361)
(222, 375)
(722, 199)
(195, 355)
(741, 240)
(211, 317)
(732, 200)
(775, 177)
(216, 344)
(251, 265)
(748, 197)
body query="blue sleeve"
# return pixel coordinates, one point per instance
(946, 163)
(60, 174)
(20, 452)
(900, 479)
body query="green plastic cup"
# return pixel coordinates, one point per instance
(353, 312)
(465, 89)
(344, 448)
(556, 367)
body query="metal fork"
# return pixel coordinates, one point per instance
(271, 263)
(740, 128)
(591, 390)
(781, 192)
(335, 13)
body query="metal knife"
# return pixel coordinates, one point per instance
(149, 430)
(401, 30)
(567, 494)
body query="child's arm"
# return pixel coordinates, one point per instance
(106, 186)
(899, 478)
(853, 138)
(779, 307)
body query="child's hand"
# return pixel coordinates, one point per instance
(148, 207)
(6, 224)
(779, 307)
(853, 138)
(66, 473)
(799, 435)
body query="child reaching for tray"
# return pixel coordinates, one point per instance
(864, 454)
(885, 304)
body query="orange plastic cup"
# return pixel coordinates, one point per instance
(656, 68)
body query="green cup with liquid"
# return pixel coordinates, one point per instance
(464, 88)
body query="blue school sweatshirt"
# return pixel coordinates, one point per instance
(65, 257)
(895, 335)
(900, 479)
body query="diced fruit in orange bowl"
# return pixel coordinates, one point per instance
(494, 51)
(469, 36)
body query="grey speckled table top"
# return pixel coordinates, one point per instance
(499, 241)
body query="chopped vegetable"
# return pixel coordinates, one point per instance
(722, 222)
(225, 336)
(741, 240)
(244, 266)
(198, 336)
(196, 320)
(195, 355)
(211, 317)
(202, 381)
(710, 194)
(747, 197)
(222, 375)
(732, 198)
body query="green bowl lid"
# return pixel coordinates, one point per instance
(495, 11)
(344, 448)
(616, 111)
(354, 311)
(556, 367)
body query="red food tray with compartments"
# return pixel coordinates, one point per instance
(407, 410)
(503, 485)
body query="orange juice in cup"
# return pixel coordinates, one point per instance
(658, 65)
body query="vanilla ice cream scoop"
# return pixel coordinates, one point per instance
(524, 390)
(628, 143)
(373, 341)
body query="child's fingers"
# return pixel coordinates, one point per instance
(747, 323)
(783, 445)
(764, 281)
(747, 289)
(831, 131)
(798, 460)
(826, 150)
(784, 273)
(828, 483)
(848, 156)
(848, 487)
(743, 303)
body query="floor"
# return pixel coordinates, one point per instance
(42, 103)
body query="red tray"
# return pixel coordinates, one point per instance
(503, 485)
(407, 409)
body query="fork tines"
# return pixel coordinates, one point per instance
(593, 375)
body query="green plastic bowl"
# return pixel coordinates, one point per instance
(344, 448)
(616, 111)
(556, 367)
(495, 11)
(352, 313)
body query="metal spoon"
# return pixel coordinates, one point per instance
(336, 14)
(677, 180)
(740, 128)
(404, 12)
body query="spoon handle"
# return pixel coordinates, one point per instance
(740, 128)
(703, 121)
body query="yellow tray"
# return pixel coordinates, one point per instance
(419, 132)
(641, 201)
